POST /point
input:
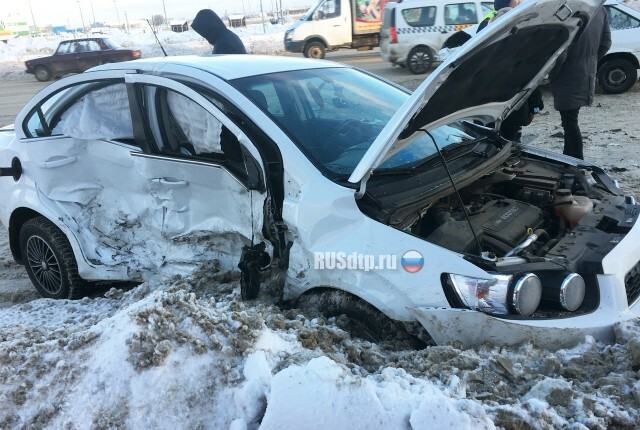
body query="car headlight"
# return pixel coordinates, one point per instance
(288, 35)
(500, 294)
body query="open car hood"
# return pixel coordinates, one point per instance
(488, 77)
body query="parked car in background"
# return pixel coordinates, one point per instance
(618, 70)
(327, 175)
(412, 32)
(78, 55)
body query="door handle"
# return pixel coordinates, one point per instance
(170, 182)
(53, 163)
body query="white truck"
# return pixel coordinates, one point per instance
(333, 24)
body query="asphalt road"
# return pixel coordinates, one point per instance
(16, 93)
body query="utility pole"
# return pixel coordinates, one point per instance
(166, 21)
(93, 14)
(35, 27)
(81, 17)
(126, 19)
(118, 15)
(264, 27)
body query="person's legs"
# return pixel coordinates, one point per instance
(513, 133)
(572, 135)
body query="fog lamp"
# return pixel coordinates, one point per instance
(526, 294)
(572, 292)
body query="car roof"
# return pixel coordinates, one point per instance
(84, 39)
(227, 67)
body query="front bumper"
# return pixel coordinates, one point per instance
(473, 328)
(294, 46)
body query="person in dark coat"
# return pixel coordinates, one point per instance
(573, 79)
(497, 5)
(209, 25)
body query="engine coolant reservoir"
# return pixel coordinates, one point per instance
(574, 211)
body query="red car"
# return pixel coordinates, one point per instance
(78, 55)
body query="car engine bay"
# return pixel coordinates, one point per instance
(528, 215)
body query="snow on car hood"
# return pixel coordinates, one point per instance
(488, 77)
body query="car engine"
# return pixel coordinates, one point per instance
(554, 211)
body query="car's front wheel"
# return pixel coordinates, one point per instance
(419, 60)
(358, 317)
(49, 260)
(315, 50)
(42, 73)
(617, 75)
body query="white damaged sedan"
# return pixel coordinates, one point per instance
(398, 210)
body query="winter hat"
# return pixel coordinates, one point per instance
(499, 4)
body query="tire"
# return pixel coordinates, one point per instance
(419, 60)
(42, 73)
(617, 75)
(49, 260)
(315, 50)
(362, 320)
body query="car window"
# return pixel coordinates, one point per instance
(619, 20)
(486, 7)
(103, 113)
(460, 13)
(329, 9)
(63, 48)
(94, 110)
(37, 123)
(327, 113)
(189, 130)
(334, 115)
(92, 46)
(420, 16)
(110, 44)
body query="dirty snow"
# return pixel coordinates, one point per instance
(187, 353)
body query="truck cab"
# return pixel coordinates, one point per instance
(333, 24)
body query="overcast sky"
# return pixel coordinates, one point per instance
(67, 12)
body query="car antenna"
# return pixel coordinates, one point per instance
(481, 254)
(157, 40)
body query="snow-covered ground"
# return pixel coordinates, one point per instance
(187, 353)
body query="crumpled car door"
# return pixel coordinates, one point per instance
(199, 201)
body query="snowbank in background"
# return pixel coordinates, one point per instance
(16, 51)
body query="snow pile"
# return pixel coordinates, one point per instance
(16, 51)
(186, 353)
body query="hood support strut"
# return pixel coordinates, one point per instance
(363, 186)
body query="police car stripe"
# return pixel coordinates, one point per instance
(432, 29)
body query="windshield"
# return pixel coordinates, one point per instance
(307, 16)
(334, 115)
